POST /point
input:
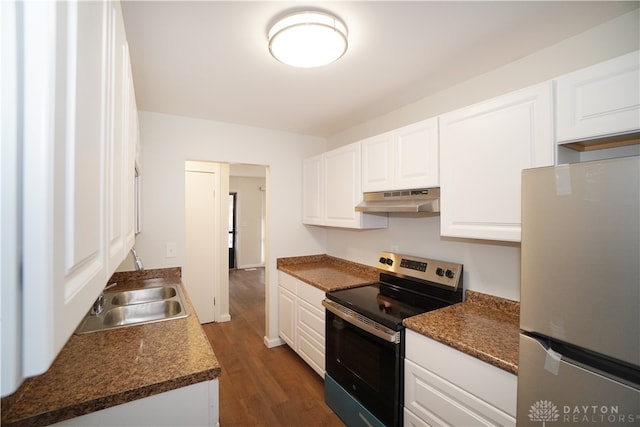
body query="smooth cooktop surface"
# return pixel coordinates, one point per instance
(383, 304)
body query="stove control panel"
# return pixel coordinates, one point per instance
(442, 273)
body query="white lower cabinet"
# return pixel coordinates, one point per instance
(302, 320)
(446, 387)
(192, 405)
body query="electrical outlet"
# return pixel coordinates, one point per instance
(170, 250)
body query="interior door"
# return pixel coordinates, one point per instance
(232, 229)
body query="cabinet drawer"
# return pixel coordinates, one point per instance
(311, 320)
(311, 351)
(412, 420)
(312, 295)
(437, 401)
(465, 371)
(288, 282)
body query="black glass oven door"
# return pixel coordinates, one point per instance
(368, 367)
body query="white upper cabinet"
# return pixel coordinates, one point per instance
(416, 157)
(377, 162)
(77, 179)
(599, 101)
(405, 158)
(342, 186)
(483, 150)
(332, 188)
(313, 190)
(64, 260)
(122, 141)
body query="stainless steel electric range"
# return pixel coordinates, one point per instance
(365, 335)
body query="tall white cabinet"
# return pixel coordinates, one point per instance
(77, 170)
(483, 150)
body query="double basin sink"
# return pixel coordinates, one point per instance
(135, 307)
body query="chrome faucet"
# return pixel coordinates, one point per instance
(98, 305)
(136, 260)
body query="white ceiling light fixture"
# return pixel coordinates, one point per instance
(308, 39)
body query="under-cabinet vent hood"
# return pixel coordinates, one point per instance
(424, 200)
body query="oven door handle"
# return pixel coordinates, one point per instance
(362, 322)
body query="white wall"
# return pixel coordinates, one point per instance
(248, 219)
(167, 141)
(490, 267)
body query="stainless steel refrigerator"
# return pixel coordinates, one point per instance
(580, 295)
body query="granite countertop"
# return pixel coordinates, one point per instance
(483, 326)
(102, 369)
(328, 273)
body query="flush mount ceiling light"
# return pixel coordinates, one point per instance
(308, 39)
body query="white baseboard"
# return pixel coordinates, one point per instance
(244, 267)
(225, 318)
(275, 342)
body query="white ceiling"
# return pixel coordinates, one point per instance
(209, 59)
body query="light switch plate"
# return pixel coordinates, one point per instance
(170, 250)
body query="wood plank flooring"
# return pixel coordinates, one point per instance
(261, 386)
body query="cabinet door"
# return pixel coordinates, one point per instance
(377, 163)
(312, 190)
(600, 100)
(64, 215)
(117, 141)
(286, 317)
(130, 198)
(342, 191)
(416, 157)
(483, 150)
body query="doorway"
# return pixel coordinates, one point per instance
(247, 235)
(207, 252)
(232, 229)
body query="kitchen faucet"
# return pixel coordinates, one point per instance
(136, 260)
(98, 305)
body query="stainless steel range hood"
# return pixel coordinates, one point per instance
(423, 200)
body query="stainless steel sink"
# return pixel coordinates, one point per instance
(136, 307)
(139, 296)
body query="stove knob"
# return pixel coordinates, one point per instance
(450, 274)
(439, 272)
(389, 261)
(382, 260)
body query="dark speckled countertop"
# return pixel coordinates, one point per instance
(483, 326)
(102, 369)
(328, 273)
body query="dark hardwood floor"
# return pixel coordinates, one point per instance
(261, 386)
